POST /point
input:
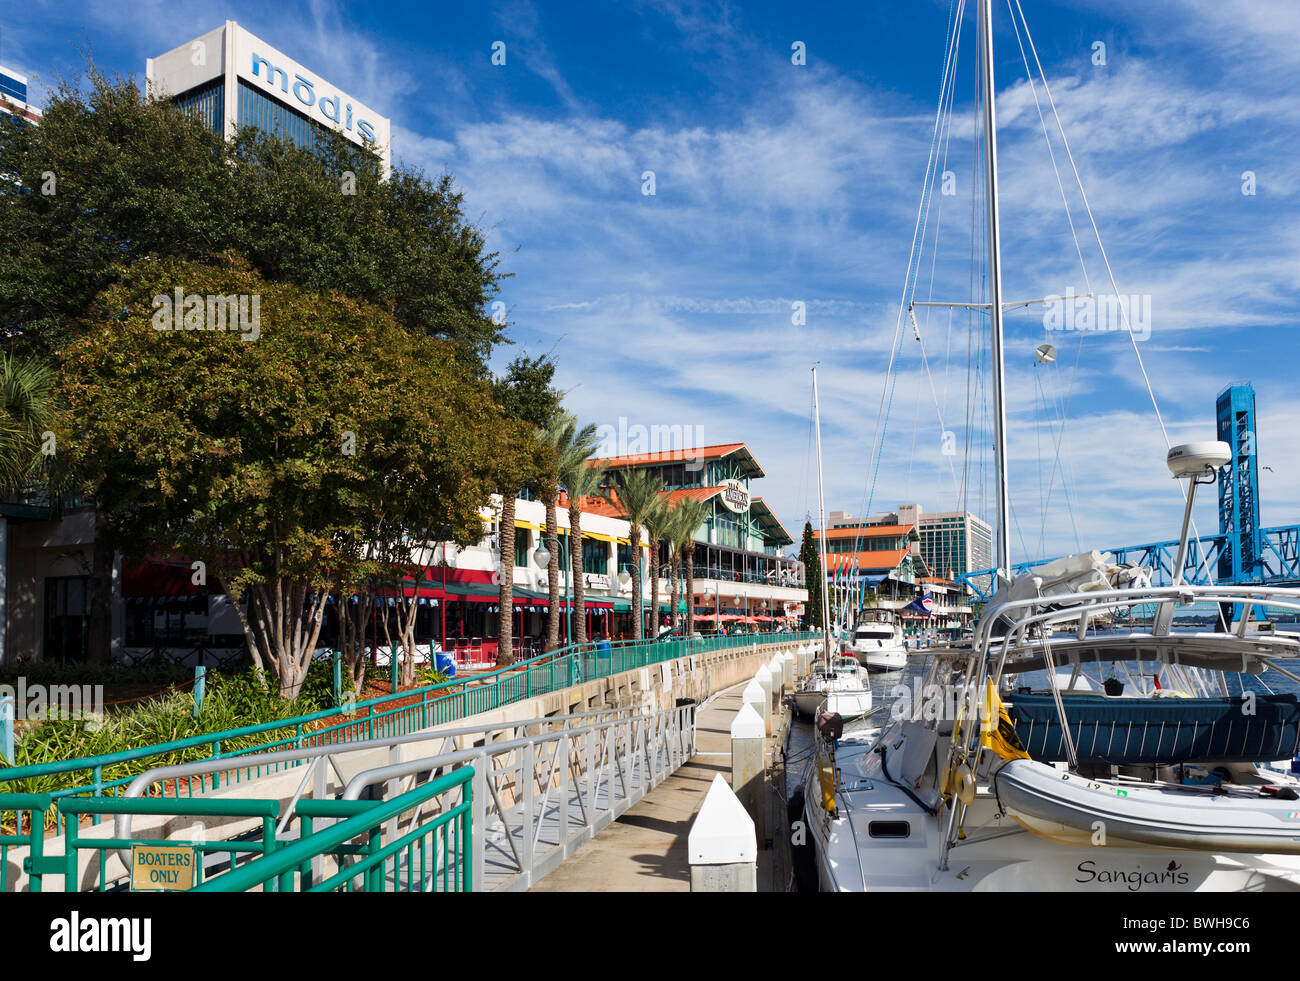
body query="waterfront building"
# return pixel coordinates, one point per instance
(230, 79)
(743, 579)
(881, 563)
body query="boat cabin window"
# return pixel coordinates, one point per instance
(889, 829)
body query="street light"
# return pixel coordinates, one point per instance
(543, 560)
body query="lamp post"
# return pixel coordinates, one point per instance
(543, 559)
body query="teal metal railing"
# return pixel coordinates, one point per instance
(397, 714)
(32, 808)
(73, 809)
(433, 855)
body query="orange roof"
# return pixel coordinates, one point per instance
(677, 456)
(867, 561)
(694, 493)
(672, 456)
(591, 505)
(866, 531)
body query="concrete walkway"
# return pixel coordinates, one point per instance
(645, 849)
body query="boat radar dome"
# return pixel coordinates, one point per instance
(1194, 459)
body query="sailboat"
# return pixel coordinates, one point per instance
(836, 685)
(995, 784)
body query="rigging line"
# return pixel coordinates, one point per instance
(881, 428)
(1128, 326)
(938, 411)
(1038, 458)
(1056, 462)
(1048, 140)
(1095, 231)
(945, 140)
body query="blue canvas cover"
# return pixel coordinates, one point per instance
(1130, 731)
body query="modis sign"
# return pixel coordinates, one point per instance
(279, 77)
(162, 868)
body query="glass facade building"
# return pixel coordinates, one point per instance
(231, 79)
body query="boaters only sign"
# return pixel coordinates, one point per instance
(162, 868)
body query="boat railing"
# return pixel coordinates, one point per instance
(1021, 616)
(1030, 619)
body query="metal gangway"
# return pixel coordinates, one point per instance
(493, 807)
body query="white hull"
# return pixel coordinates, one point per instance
(883, 659)
(1014, 851)
(849, 704)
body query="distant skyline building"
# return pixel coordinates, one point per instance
(952, 543)
(13, 96)
(231, 79)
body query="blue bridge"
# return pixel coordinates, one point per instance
(1241, 552)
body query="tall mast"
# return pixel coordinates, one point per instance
(821, 521)
(995, 285)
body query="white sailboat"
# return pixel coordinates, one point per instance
(836, 684)
(1072, 786)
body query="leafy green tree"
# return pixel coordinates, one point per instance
(112, 177)
(813, 579)
(283, 463)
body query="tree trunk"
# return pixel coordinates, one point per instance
(99, 629)
(575, 562)
(506, 618)
(690, 591)
(654, 588)
(281, 634)
(676, 580)
(553, 612)
(638, 624)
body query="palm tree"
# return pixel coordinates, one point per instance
(637, 496)
(572, 447)
(672, 536)
(657, 523)
(692, 514)
(582, 479)
(26, 414)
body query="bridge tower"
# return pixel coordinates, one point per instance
(1242, 559)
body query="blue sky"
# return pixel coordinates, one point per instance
(777, 183)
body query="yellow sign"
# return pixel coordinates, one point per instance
(162, 868)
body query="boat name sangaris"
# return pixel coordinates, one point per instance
(1134, 878)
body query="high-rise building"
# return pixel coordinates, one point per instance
(952, 542)
(13, 96)
(231, 79)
